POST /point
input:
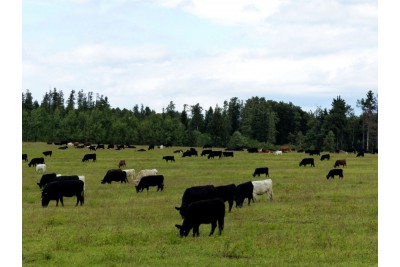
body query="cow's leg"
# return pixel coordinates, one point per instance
(220, 225)
(230, 204)
(213, 226)
(196, 231)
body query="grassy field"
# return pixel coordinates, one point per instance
(312, 221)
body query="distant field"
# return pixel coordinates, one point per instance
(312, 221)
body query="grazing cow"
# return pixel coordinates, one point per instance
(58, 189)
(36, 161)
(130, 173)
(115, 175)
(227, 193)
(63, 147)
(195, 193)
(215, 154)
(80, 146)
(47, 153)
(46, 178)
(144, 173)
(360, 154)
(41, 167)
(227, 154)
(25, 157)
(243, 191)
(92, 148)
(87, 157)
(187, 153)
(203, 212)
(307, 161)
(278, 152)
(169, 158)
(99, 146)
(340, 162)
(334, 172)
(110, 146)
(314, 152)
(141, 150)
(252, 150)
(261, 187)
(150, 180)
(326, 156)
(51, 177)
(151, 147)
(205, 152)
(178, 151)
(259, 171)
(122, 163)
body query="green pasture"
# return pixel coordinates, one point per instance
(311, 221)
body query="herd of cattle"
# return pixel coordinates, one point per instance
(199, 205)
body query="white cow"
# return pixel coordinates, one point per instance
(41, 167)
(278, 152)
(261, 187)
(82, 178)
(130, 173)
(144, 173)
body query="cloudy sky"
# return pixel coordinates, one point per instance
(152, 52)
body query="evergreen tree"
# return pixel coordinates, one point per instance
(369, 108)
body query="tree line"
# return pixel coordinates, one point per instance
(255, 122)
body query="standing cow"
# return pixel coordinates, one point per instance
(47, 153)
(87, 157)
(209, 211)
(151, 180)
(307, 161)
(334, 172)
(243, 191)
(193, 194)
(58, 189)
(122, 163)
(259, 171)
(262, 187)
(36, 161)
(227, 193)
(340, 162)
(115, 175)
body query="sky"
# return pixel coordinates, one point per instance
(152, 52)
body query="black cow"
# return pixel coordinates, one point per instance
(25, 157)
(150, 180)
(87, 157)
(252, 150)
(35, 161)
(58, 189)
(227, 154)
(205, 152)
(151, 147)
(243, 191)
(314, 152)
(227, 193)
(213, 154)
(307, 161)
(51, 177)
(195, 193)
(169, 158)
(115, 175)
(63, 147)
(92, 148)
(334, 172)
(259, 171)
(99, 146)
(47, 153)
(188, 153)
(340, 162)
(203, 212)
(326, 156)
(360, 154)
(178, 151)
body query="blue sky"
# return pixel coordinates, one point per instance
(152, 52)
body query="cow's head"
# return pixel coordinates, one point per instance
(183, 231)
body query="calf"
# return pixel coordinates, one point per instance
(203, 212)
(259, 171)
(334, 172)
(227, 193)
(58, 189)
(243, 191)
(41, 167)
(47, 153)
(151, 180)
(307, 161)
(261, 187)
(121, 163)
(325, 156)
(193, 194)
(169, 158)
(114, 175)
(36, 161)
(87, 157)
(340, 162)
(25, 157)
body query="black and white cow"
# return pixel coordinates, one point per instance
(334, 172)
(36, 161)
(47, 153)
(243, 191)
(115, 175)
(195, 193)
(259, 171)
(227, 193)
(87, 157)
(151, 180)
(307, 161)
(209, 211)
(169, 158)
(58, 189)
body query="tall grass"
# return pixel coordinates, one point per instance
(312, 221)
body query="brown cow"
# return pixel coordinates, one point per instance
(340, 162)
(121, 163)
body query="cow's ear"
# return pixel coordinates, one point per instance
(177, 208)
(178, 226)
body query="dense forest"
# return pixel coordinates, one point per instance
(256, 122)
